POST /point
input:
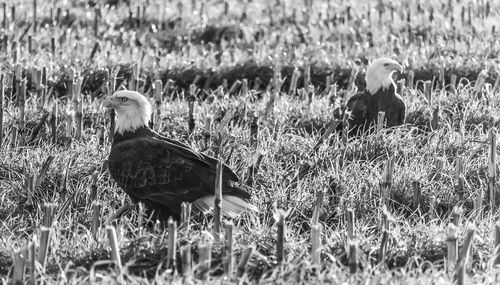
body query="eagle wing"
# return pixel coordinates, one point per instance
(357, 106)
(163, 174)
(208, 159)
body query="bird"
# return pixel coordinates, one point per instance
(379, 96)
(162, 173)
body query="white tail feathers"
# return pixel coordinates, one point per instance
(231, 206)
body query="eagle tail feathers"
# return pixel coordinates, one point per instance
(231, 206)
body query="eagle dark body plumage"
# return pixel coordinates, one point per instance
(364, 108)
(162, 173)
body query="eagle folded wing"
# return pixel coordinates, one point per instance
(152, 169)
(357, 108)
(358, 112)
(186, 150)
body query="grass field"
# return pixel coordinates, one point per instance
(235, 60)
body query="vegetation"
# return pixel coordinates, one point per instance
(209, 56)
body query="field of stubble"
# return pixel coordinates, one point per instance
(237, 60)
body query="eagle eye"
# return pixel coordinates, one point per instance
(386, 64)
(124, 99)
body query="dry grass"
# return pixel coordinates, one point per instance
(417, 238)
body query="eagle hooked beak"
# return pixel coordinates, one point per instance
(396, 66)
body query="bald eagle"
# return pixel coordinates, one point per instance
(161, 172)
(380, 96)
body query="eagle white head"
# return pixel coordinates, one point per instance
(379, 74)
(133, 110)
